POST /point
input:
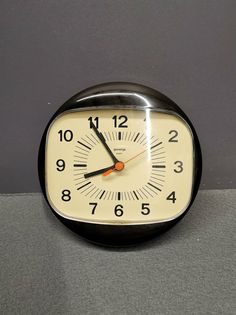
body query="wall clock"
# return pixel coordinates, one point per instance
(119, 163)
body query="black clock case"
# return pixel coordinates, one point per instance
(120, 94)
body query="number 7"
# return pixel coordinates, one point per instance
(94, 204)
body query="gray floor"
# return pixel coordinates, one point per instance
(46, 269)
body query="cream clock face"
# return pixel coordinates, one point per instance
(119, 166)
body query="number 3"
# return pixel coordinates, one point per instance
(179, 168)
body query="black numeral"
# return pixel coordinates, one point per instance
(171, 197)
(145, 209)
(179, 168)
(94, 204)
(119, 210)
(60, 165)
(93, 121)
(67, 135)
(173, 138)
(66, 195)
(120, 121)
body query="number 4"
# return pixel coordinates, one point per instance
(171, 197)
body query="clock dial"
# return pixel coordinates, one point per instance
(119, 166)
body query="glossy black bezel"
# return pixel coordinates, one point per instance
(115, 95)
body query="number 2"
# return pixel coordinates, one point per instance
(175, 134)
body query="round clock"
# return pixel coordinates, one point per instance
(119, 163)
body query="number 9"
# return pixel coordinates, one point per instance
(60, 165)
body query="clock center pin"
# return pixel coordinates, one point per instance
(119, 166)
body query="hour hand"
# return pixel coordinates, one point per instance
(97, 172)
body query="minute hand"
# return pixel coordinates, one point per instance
(103, 141)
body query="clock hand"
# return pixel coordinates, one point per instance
(109, 171)
(103, 141)
(118, 167)
(135, 156)
(97, 172)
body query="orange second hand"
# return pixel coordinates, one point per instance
(135, 156)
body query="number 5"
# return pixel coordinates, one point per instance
(145, 207)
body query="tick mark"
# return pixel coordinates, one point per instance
(135, 195)
(102, 194)
(83, 186)
(154, 186)
(84, 145)
(119, 135)
(118, 197)
(156, 145)
(158, 166)
(136, 137)
(80, 165)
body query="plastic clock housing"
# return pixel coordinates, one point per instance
(119, 163)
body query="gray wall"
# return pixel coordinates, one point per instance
(49, 50)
